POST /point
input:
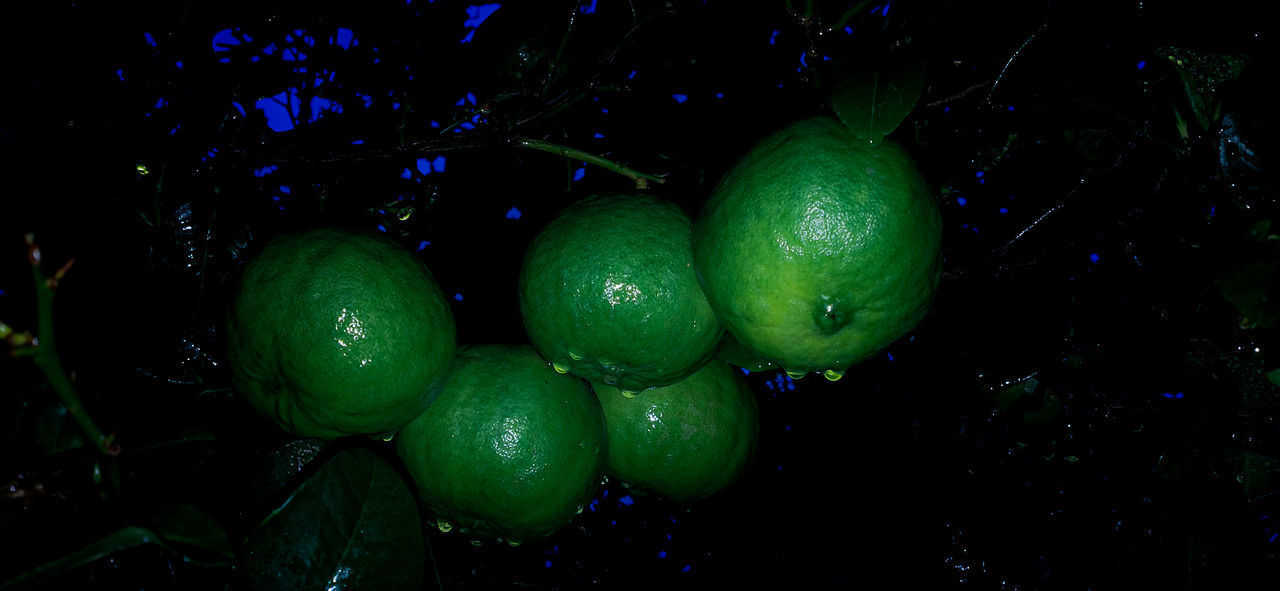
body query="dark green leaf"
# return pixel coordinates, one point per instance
(353, 525)
(1250, 287)
(873, 104)
(1203, 74)
(120, 540)
(183, 523)
(1258, 473)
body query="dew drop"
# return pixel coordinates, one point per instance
(795, 374)
(629, 394)
(560, 367)
(444, 526)
(513, 542)
(575, 356)
(389, 437)
(833, 374)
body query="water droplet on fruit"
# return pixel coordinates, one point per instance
(795, 374)
(629, 394)
(444, 526)
(833, 374)
(389, 437)
(513, 542)
(575, 356)
(560, 367)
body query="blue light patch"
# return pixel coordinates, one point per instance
(598, 136)
(357, 142)
(238, 107)
(323, 105)
(458, 296)
(475, 17)
(293, 54)
(961, 200)
(1172, 395)
(513, 213)
(382, 228)
(281, 109)
(345, 38)
(626, 500)
(423, 245)
(662, 554)
(1142, 64)
(265, 170)
(547, 564)
(178, 64)
(589, 7)
(773, 37)
(579, 173)
(161, 103)
(150, 40)
(120, 75)
(224, 40)
(406, 174)
(424, 166)
(1094, 257)
(437, 164)
(680, 98)
(285, 189)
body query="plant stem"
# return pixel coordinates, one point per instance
(46, 358)
(640, 178)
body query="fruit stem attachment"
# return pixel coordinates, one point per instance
(42, 351)
(642, 180)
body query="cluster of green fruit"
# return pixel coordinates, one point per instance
(814, 252)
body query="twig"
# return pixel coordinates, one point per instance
(1015, 55)
(640, 178)
(45, 355)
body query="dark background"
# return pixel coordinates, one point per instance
(1084, 407)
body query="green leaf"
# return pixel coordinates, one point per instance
(182, 523)
(873, 104)
(353, 525)
(122, 539)
(1203, 74)
(1249, 286)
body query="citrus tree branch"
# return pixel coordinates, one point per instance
(45, 355)
(642, 180)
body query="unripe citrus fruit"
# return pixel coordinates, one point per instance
(816, 250)
(510, 448)
(686, 441)
(335, 332)
(608, 293)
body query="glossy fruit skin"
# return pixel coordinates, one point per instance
(608, 293)
(335, 332)
(686, 441)
(816, 250)
(510, 448)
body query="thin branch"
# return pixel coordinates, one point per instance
(45, 354)
(566, 152)
(1015, 55)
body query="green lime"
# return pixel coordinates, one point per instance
(609, 294)
(816, 250)
(686, 441)
(510, 448)
(335, 332)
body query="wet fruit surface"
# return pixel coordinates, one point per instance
(817, 251)
(510, 448)
(336, 333)
(608, 293)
